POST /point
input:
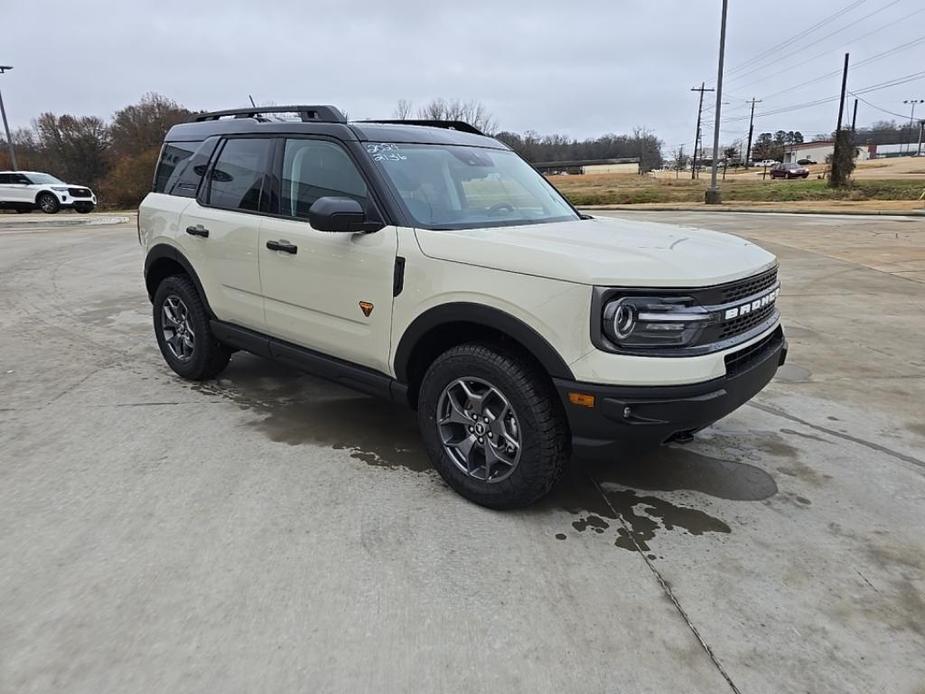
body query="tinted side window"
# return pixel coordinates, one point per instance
(237, 178)
(186, 178)
(5, 178)
(316, 168)
(173, 155)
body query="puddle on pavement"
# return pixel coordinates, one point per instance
(605, 498)
(298, 409)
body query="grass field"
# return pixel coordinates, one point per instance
(622, 189)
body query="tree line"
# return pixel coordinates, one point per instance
(117, 157)
(642, 144)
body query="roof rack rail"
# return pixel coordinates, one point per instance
(459, 125)
(324, 114)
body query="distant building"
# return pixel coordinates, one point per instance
(818, 150)
(589, 166)
(905, 149)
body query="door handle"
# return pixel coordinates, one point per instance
(198, 230)
(283, 246)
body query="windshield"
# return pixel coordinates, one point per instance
(42, 178)
(457, 187)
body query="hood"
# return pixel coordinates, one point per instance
(603, 251)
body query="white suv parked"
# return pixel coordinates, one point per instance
(426, 263)
(29, 190)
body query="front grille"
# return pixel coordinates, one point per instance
(743, 324)
(79, 192)
(752, 285)
(737, 362)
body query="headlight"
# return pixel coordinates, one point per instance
(645, 321)
(59, 189)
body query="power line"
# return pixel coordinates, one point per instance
(829, 35)
(803, 61)
(874, 58)
(879, 108)
(864, 90)
(797, 37)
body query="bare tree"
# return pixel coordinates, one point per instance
(403, 109)
(75, 147)
(142, 126)
(472, 112)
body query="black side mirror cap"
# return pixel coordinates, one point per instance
(339, 214)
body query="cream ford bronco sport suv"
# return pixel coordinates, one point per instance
(427, 263)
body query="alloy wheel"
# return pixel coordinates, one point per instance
(176, 329)
(479, 429)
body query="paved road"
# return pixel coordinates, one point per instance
(271, 532)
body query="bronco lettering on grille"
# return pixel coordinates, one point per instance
(750, 306)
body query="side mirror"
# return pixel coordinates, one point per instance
(340, 214)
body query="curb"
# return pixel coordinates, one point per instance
(752, 210)
(62, 223)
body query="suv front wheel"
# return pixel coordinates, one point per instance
(492, 426)
(181, 326)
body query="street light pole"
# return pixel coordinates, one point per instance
(6, 126)
(712, 196)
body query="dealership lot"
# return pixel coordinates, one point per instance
(270, 531)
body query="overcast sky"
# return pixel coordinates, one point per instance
(578, 68)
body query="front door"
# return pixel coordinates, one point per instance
(331, 292)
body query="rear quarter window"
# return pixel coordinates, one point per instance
(173, 156)
(182, 167)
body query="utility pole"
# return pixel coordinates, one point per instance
(700, 89)
(751, 129)
(918, 151)
(854, 117)
(912, 115)
(712, 196)
(6, 126)
(841, 101)
(838, 177)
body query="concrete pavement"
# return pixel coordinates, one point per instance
(270, 531)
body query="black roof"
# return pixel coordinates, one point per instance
(327, 120)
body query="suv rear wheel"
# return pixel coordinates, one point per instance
(492, 426)
(181, 326)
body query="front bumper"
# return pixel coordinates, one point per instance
(626, 419)
(69, 201)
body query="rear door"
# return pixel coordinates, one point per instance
(220, 230)
(6, 189)
(331, 292)
(17, 188)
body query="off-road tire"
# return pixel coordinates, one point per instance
(48, 203)
(209, 357)
(545, 442)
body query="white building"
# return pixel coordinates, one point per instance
(818, 150)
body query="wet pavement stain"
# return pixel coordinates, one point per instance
(596, 523)
(791, 373)
(642, 528)
(605, 495)
(793, 432)
(296, 409)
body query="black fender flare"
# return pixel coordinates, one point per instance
(487, 316)
(165, 250)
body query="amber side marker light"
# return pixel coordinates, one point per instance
(581, 399)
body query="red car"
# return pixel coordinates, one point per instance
(789, 171)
